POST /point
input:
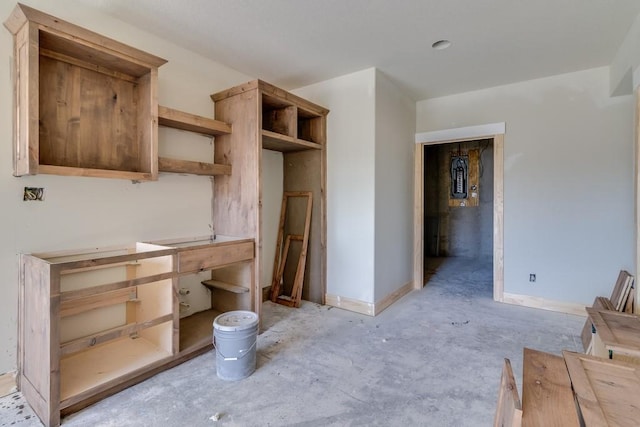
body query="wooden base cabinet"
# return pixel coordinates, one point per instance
(94, 322)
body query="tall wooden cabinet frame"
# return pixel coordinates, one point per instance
(266, 117)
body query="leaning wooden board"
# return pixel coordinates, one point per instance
(607, 391)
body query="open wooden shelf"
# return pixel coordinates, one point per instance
(166, 164)
(175, 119)
(286, 144)
(196, 331)
(190, 122)
(217, 284)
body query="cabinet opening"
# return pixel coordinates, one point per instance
(278, 116)
(310, 127)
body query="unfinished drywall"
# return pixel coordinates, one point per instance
(457, 231)
(394, 146)
(568, 180)
(350, 181)
(93, 212)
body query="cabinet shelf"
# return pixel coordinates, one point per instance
(286, 144)
(175, 119)
(166, 164)
(190, 122)
(87, 370)
(217, 284)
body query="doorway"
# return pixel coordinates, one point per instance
(458, 210)
(425, 226)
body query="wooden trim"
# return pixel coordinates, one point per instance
(545, 304)
(350, 304)
(394, 296)
(418, 222)
(8, 383)
(458, 134)
(636, 165)
(498, 218)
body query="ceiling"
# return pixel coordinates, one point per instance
(293, 43)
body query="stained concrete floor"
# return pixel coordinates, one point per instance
(434, 358)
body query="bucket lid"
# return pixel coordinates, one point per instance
(235, 320)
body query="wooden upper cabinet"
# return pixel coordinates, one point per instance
(289, 123)
(85, 105)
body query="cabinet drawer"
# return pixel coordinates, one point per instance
(193, 260)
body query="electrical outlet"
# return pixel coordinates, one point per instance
(33, 194)
(532, 277)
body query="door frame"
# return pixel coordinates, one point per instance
(493, 131)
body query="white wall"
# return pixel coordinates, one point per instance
(394, 124)
(569, 196)
(87, 212)
(627, 60)
(350, 181)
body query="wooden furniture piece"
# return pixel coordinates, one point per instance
(547, 398)
(600, 303)
(621, 290)
(94, 322)
(615, 335)
(283, 247)
(224, 253)
(266, 117)
(192, 123)
(86, 105)
(607, 391)
(509, 408)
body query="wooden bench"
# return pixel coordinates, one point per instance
(547, 397)
(509, 408)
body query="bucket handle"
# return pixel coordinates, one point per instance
(244, 352)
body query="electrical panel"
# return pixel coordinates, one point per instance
(465, 178)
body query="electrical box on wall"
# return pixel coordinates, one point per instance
(465, 181)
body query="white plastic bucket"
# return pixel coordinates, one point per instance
(234, 336)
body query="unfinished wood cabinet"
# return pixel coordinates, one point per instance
(85, 105)
(266, 117)
(92, 323)
(192, 123)
(208, 255)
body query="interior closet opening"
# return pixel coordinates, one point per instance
(458, 213)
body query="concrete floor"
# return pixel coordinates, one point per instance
(434, 358)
